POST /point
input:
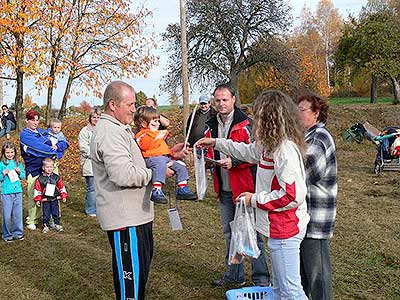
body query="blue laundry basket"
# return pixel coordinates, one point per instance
(250, 293)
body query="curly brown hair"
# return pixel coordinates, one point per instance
(276, 119)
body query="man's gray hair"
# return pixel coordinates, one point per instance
(114, 91)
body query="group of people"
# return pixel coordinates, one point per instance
(41, 151)
(289, 178)
(283, 162)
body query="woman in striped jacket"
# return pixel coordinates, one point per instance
(279, 199)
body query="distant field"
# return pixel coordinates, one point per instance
(358, 100)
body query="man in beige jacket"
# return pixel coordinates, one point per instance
(122, 187)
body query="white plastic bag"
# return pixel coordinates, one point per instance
(200, 173)
(243, 234)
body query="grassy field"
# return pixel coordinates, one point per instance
(76, 264)
(358, 100)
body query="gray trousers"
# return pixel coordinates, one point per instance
(158, 165)
(316, 269)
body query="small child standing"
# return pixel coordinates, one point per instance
(11, 173)
(157, 155)
(49, 189)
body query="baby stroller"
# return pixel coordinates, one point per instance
(387, 144)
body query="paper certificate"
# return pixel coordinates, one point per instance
(13, 176)
(50, 189)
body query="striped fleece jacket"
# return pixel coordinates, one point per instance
(281, 209)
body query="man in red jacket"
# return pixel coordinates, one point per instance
(231, 178)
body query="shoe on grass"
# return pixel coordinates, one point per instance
(58, 228)
(184, 193)
(8, 240)
(31, 226)
(19, 238)
(45, 229)
(157, 196)
(222, 282)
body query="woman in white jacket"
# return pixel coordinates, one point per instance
(281, 210)
(86, 162)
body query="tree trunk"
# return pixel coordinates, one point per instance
(396, 90)
(63, 108)
(235, 85)
(374, 88)
(51, 88)
(185, 70)
(19, 98)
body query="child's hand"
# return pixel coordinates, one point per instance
(17, 169)
(161, 135)
(38, 203)
(5, 172)
(54, 147)
(64, 200)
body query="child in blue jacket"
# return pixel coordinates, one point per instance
(11, 173)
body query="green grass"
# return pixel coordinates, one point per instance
(360, 100)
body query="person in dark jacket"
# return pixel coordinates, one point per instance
(202, 115)
(8, 122)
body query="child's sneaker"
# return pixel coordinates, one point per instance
(31, 226)
(58, 228)
(8, 240)
(45, 229)
(20, 238)
(157, 196)
(184, 193)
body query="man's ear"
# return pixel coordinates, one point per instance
(112, 104)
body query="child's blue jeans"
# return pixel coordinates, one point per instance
(12, 216)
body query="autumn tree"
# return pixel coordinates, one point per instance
(85, 107)
(55, 29)
(328, 24)
(19, 44)
(106, 41)
(226, 38)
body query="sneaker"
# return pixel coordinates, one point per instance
(92, 215)
(157, 196)
(31, 227)
(184, 193)
(221, 282)
(45, 229)
(8, 240)
(19, 238)
(58, 228)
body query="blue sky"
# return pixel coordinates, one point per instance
(165, 12)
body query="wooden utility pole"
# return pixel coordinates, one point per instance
(185, 72)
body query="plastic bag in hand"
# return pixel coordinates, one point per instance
(243, 234)
(200, 173)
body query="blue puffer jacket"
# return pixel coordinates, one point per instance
(34, 147)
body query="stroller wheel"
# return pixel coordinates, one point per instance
(378, 168)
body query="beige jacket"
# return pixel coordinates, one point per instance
(120, 175)
(84, 147)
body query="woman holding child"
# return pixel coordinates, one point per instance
(279, 199)
(35, 145)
